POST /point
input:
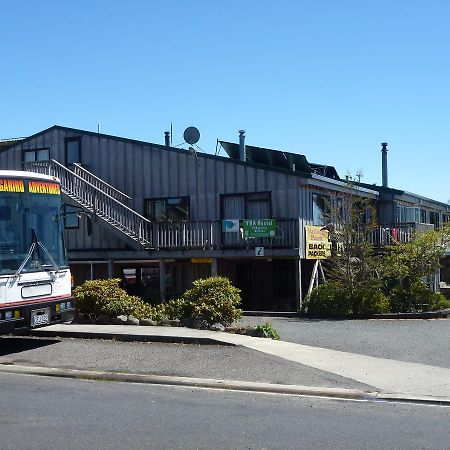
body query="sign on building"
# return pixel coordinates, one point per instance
(230, 225)
(317, 244)
(254, 228)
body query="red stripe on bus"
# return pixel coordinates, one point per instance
(30, 302)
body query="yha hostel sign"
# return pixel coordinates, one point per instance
(317, 244)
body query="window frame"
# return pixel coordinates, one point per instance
(66, 141)
(155, 199)
(326, 198)
(248, 198)
(35, 151)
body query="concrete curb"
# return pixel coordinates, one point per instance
(43, 332)
(248, 386)
(228, 385)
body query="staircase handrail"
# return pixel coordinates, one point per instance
(68, 173)
(103, 185)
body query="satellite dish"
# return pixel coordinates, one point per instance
(191, 135)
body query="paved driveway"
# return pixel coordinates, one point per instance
(422, 341)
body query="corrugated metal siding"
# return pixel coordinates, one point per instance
(143, 171)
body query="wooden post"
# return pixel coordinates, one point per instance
(313, 277)
(298, 282)
(162, 280)
(214, 267)
(110, 268)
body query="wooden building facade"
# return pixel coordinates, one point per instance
(154, 215)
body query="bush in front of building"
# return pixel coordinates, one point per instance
(96, 298)
(328, 300)
(333, 299)
(211, 300)
(417, 297)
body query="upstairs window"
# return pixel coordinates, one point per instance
(73, 150)
(255, 205)
(320, 209)
(169, 209)
(434, 219)
(37, 154)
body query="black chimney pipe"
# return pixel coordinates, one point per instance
(167, 138)
(384, 169)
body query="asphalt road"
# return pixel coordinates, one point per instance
(203, 361)
(420, 341)
(51, 414)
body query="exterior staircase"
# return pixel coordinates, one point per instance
(101, 200)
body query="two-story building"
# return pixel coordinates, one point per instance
(159, 217)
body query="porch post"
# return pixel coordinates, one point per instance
(214, 267)
(110, 268)
(298, 282)
(162, 280)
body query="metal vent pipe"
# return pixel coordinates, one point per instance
(167, 138)
(384, 168)
(242, 155)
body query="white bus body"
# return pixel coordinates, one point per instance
(35, 281)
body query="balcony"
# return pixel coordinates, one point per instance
(206, 235)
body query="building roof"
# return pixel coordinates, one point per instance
(6, 143)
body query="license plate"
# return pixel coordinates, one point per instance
(40, 317)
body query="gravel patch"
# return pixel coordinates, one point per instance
(419, 341)
(189, 360)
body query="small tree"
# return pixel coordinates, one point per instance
(406, 264)
(353, 262)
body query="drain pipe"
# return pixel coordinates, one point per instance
(242, 155)
(384, 169)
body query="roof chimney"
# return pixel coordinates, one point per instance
(242, 155)
(384, 170)
(167, 138)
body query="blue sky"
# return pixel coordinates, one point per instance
(327, 79)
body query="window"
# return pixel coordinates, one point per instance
(71, 217)
(434, 219)
(320, 209)
(37, 154)
(423, 216)
(171, 209)
(255, 205)
(445, 218)
(73, 150)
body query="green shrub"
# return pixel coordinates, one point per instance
(332, 299)
(417, 298)
(368, 300)
(329, 300)
(95, 298)
(266, 330)
(210, 300)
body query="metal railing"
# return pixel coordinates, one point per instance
(100, 184)
(286, 236)
(108, 208)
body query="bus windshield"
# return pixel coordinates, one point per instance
(30, 213)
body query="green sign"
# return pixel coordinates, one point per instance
(259, 228)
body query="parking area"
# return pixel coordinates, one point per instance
(419, 341)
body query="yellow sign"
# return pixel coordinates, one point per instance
(43, 187)
(12, 186)
(317, 244)
(201, 260)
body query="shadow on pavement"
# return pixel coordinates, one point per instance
(9, 345)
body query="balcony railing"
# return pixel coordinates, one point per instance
(209, 235)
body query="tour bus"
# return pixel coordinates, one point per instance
(35, 281)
